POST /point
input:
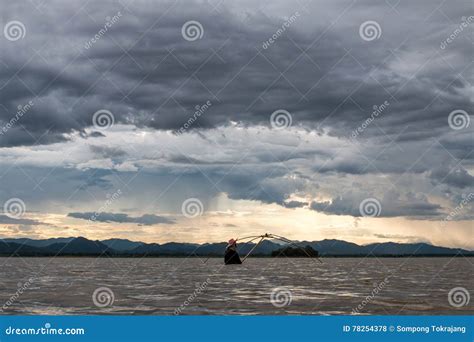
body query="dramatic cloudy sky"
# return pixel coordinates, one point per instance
(306, 172)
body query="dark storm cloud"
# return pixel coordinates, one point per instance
(94, 178)
(392, 205)
(147, 74)
(457, 177)
(21, 221)
(295, 204)
(260, 183)
(145, 220)
(108, 152)
(319, 69)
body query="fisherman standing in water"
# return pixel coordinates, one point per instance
(231, 256)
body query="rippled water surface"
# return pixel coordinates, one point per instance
(161, 286)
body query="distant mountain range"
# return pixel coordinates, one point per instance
(324, 247)
(81, 246)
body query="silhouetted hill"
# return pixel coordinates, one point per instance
(81, 246)
(295, 252)
(17, 249)
(78, 246)
(337, 247)
(122, 244)
(212, 249)
(392, 248)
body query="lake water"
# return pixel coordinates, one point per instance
(167, 286)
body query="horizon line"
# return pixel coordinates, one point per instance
(471, 249)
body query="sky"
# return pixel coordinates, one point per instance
(201, 121)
